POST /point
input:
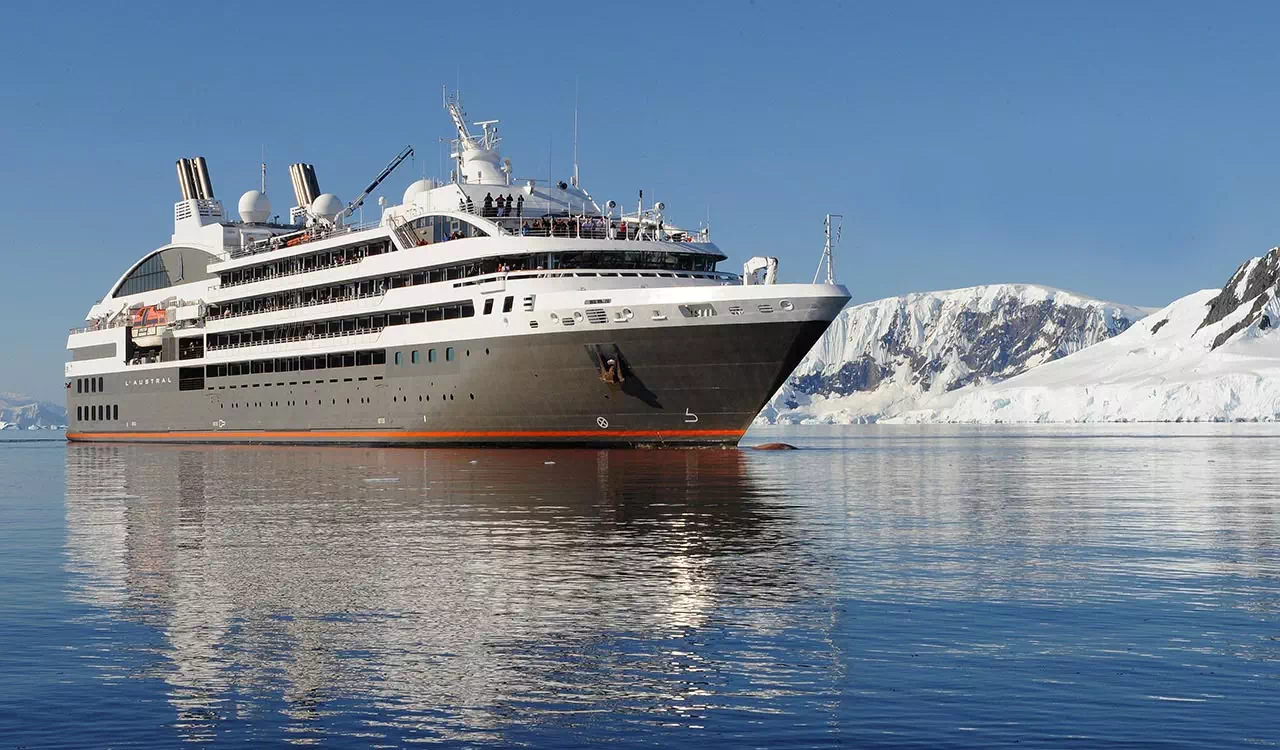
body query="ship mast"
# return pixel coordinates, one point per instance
(828, 248)
(479, 153)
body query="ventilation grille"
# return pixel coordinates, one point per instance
(766, 308)
(596, 315)
(735, 310)
(567, 320)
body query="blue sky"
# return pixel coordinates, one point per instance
(1122, 150)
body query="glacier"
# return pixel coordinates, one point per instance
(1213, 355)
(883, 359)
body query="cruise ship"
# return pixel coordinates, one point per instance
(486, 309)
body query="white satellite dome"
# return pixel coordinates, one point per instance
(421, 186)
(255, 207)
(327, 206)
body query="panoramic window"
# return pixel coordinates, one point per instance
(151, 274)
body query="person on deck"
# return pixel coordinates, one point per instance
(488, 205)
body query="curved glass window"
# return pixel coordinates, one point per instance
(149, 275)
(174, 265)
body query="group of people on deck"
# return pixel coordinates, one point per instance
(502, 206)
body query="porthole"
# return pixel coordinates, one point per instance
(786, 305)
(626, 313)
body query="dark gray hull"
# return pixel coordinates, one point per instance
(695, 385)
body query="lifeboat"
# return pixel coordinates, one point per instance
(147, 326)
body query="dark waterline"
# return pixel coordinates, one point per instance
(884, 587)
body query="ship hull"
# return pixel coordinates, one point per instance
(695, 386)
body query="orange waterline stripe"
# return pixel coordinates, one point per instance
(229, 434)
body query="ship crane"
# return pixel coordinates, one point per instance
(359, 200)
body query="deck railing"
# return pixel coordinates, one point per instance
(296, 306)
(302, 236)
(295, 339)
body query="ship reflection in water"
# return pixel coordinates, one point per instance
(887, 586)
(464, 590)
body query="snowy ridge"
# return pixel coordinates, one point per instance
(22, 412)
(883, 358)
(1210, 356)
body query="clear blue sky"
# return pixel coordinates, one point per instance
(1122, 150)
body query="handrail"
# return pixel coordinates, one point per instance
(242, 282)
(317, 303)
(573, 225)
(295, 339)
(304, 236)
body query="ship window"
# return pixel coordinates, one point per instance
(100, 388)
(79, 413)
(149, 275)
(488, 306)
(448, 354)
(115, 412)
(506, 304)
(413, 357)
(397, 359)
(431, 355)
(79, 385)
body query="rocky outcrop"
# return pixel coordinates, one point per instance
(1253, 285)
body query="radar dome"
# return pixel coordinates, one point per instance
(421, 186)
(327, 206)
(255, 207)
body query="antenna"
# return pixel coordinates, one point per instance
(264, 178)
(575, 131)
(828, 247)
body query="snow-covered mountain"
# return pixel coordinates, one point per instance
(20, 412)
(881, 359)
(1211, 356)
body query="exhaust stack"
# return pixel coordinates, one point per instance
(306, 188)
(193, 179)
(186, 179)
(203, 184)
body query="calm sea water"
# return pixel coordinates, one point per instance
(884, 587)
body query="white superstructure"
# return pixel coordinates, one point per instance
(481, 258)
